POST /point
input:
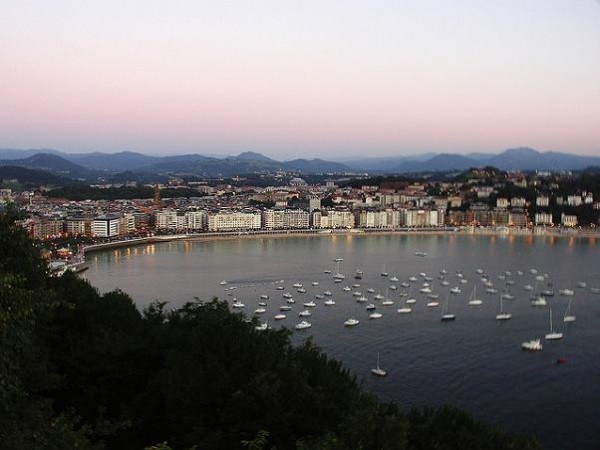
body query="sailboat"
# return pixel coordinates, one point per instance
(502, 315)
(553, 335)
(378, 370)
(405, 309)
(384, 273)
(446, 316)
(473, 300)
(338, 275)
(568, 316)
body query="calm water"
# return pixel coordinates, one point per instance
(475, 362)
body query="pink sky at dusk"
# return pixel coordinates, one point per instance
(308, 78)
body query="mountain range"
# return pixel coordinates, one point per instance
(97, 165)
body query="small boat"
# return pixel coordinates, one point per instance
(327, 271)
(264, 296)
(285, 308)
(444, 282)
(358, 276)
(528, 287)
(237, 304)
(539, 301)
(260, 311)
(280, 317)
(519, 272)
(384, 274)
(422, 254)
(357, 294)
(362, 299)
(502, 315)
(463, 281)
(473, 300)
(387, 302)
(446, 316)
(297, 285)
(375, 315)
(319, 296)
(291, 301)
(310, 304)
(371, 307)
(431, 304)
(553, 335)
(411, 301)
(422, 274)
(581, 284)
(425, 290)
(413, 278)
(329, 302)
(378, 297)
(507, 296)
(394, 279)
(287, 295)
(370, 290)
(302, 290)
(568, 317)
(433, 296)
(393, 287)
(305, 313)
(378, 370)
(491, 291)
(262, 327)
(315, 283)
(533, 271)
(567, 292)
(595, 290)
(327, 293)
(356, 285)
(303, 325)
(351, 322)
(346, 289)
(262, 304)
(535, 345)
(280, 288)
(455, 290)
(404, 284)
(223, 283)
(479, 271)
(338, 259)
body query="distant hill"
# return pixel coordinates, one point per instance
(253, 156)
(112, 161)
(316, 166)
(440, 163)
(32, 177)
(50, 163)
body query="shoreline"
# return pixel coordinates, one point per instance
(278, 234)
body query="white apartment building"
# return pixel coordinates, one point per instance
(232, 221)
(285, 219)
(568, 220)
(372, 219)
(196, 220)
(332, 219)
(517, 202)
(574, 200)
(423, 218)
(106, 226)
(542, 201)
(543, 219)
(502, 202)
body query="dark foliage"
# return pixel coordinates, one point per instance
(83, 370)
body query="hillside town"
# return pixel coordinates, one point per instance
(481, 198)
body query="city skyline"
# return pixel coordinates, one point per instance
(304, 79)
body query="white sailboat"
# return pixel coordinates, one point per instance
(568, 317)
(553, 335)
(473, 300)
(446, 316)
(378, 370)
(502, 315)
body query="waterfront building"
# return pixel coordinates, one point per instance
(543, 219)
(574, 200)
(568, 220)
(106, 225)
(517, 218)
(422, 218)
(285, 219)
(232, 221)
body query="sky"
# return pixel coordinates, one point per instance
(300, 78)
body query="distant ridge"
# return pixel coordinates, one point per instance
(98, 164)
